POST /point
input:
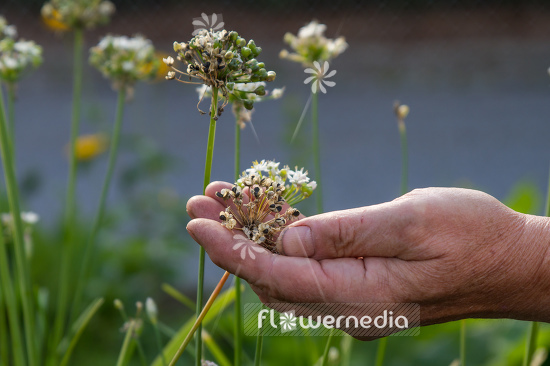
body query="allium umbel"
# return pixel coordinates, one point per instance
(17, 57)
(220, 60)
(78, 13)
(262, 199)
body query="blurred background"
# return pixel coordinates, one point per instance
(474, 74)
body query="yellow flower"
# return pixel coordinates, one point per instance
(54, 22)
(90, 146)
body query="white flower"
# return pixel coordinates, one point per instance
(127, 65)
(313, 29)
(10, 63)
(312, 185)
(29, 218)
(277, 93)
(319, 76)
(298, 177)
(10, 31)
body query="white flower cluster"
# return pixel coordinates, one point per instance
(6, 30)
(78, 13)
(297, 183)
(124, 60)
(16, 57)
(237, 96)
(311, 45)
(28, 218)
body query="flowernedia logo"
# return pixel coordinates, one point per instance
(246, 247)
(319, 76)
(364, 320)
(214, 22)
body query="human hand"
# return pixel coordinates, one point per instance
(457, 253)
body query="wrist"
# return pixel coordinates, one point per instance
(533, 269)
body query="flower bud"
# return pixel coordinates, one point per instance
(118, 304)
(402, 111)
(260, 90)
(233, 36)
(169, 61)
(271, 75)
(151, 309)
(248, 104)
(228, 55)
(177, 47)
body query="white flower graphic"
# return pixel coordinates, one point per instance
(214, 22)
(287, 321)
(246, 247)
(319, 76)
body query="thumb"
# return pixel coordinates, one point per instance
(373, 231)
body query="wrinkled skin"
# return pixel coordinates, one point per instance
(457, 253)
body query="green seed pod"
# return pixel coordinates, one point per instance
(306, 190)
(254, 78)
(261, 65)
(233, 36)
(228, 55)
(258, 51)
(271, 75)
(260, 90)
(245, 51)
(262, 73)
(240, 42)
(248, 104)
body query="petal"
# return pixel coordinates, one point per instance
(219, 26)
(205, 17)
(322, 88)
(251, 254)
(325, 67)
(308, 80)
(329, 83)
(311, 71)
(214, 18)
(243, 253)
(317, 65)
(330, 74)
(198, 22)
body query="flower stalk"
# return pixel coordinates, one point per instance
(69, 246)
(238, 318)
(21, 264)
(113, 154)
(198, 322)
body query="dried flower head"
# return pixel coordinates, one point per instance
(242, 98)
(6, 30)
(221, 60)
(311, 45)
(17, 58)
(259, 196)
(125, 60)
(71, 14)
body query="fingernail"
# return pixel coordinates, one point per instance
(296, 242)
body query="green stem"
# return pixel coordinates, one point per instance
(11, 110)
(22, 266)
(113, 154)
(463, 342)
(4, 346)
(9, 299)
(238, 319)
(259, 345)
(324, 361)
(381, 352)
(68, 250)
(207, 173)
(531, 344)
(317, 151)
(405, 157)
(125, 345)
(159, 343)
